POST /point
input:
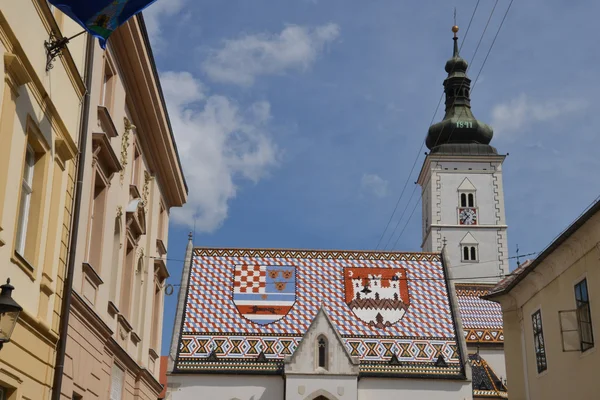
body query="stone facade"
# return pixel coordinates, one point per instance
(39, 129)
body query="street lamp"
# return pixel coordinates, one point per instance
(9, 312)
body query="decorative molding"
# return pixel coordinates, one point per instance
(91, 273)
(16, 73)
(317, 254)
(125, 145)
(146, 189)
(119, 212)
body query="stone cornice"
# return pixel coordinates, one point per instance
(148, 111)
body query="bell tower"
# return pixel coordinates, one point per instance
(461, 181)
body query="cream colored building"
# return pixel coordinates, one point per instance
(551, 312)
(132, 179)
(39, 130)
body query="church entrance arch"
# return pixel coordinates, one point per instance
(321, 395)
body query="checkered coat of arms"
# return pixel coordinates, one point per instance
(263, 293)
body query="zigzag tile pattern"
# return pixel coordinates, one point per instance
(482, 319)
(213, 324)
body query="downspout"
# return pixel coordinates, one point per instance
(68, 286)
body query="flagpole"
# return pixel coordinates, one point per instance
(54, 48)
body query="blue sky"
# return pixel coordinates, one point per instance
(298, 121)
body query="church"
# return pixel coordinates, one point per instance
(272, 324)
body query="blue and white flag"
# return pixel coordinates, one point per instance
(101, 17)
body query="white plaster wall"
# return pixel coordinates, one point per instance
(441, 192)
(396, 389)
(308, 387)
(225, 387)
(495, 359)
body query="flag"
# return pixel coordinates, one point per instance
(101, 17)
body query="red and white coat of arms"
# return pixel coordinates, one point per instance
(377, 296)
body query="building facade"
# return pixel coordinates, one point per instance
(551, 313)
(314, 324)
(40, 112)
(463, 212)
(132, 179)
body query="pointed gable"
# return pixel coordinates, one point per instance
(469, 239)
(305, 358)
(466, 186)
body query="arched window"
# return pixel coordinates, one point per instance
(463, 199)
(322, 352)
(471, 200)
(473, 253)
(466, 253)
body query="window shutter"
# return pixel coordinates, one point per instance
(569, 330)
(116, 386)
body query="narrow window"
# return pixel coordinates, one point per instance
(135, 167)
(322, 348)
(116, 385)
(26, 193)
(156, 313)
(2, 394)
(584, 316)
(96, 226)
(538, 341)
(473, 253)
(127, 281)
(463, 199)
(108, 84)
(466, 253)
(471, 200)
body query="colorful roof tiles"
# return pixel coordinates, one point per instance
(249, 309)
(486, 384)
(481, 319)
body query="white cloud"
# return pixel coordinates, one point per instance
(241, 60)
(374, 185)
(521, 112)
(155, 12)
(219, 144)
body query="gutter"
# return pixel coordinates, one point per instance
(68, 286)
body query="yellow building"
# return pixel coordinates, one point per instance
(40, 114)
(551, 312)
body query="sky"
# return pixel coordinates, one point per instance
(298, 122)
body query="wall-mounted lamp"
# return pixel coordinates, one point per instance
(9, 313)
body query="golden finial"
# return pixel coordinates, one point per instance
(455, 30)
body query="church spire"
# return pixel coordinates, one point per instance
(459, 132)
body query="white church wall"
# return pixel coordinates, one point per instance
(225, 387)
(394, 389)
(309, 387)
(495, 359)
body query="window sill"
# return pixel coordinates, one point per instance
(586, 353)
(19, 260)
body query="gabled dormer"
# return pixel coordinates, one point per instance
(321, 351)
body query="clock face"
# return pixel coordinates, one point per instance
(467, 216)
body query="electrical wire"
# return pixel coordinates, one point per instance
(423, 143)
(463, 80)
(425, 279)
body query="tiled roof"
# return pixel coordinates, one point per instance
(508, 280)
(481, 319)
(246, 310)
(486, 384)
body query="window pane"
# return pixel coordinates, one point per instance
(538, 341)
(473, 253)
(471, 200)
(22, 221)
(466, 253)
(463, 200)
(584, 316)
